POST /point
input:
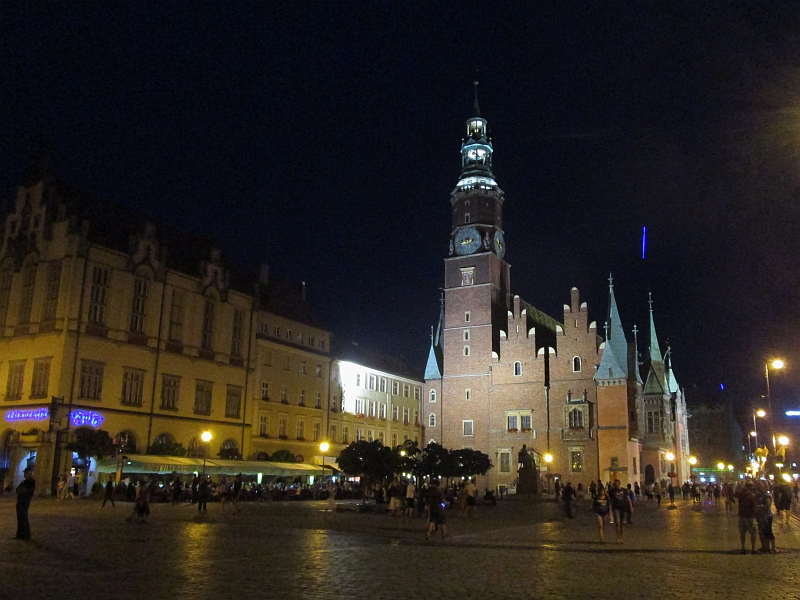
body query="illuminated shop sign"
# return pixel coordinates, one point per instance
(82, 418)
(793, 413)
(30, 414)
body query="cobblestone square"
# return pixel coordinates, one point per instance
(294, 550)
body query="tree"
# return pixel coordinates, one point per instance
(467, 462)
(169, 448)
(92, 442)
(283, 455)
(371, 460)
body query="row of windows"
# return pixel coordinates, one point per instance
(381, 384)
(298, 337)
(576, 461)
(302, 397)
(372, 409)
(432, 395)
(359, 433)
(91, 388)
(286, 362)
(125, 442)
(520, 421)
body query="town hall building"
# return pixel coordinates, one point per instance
(502, 375)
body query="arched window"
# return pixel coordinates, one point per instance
(576, 364)
(125, 442)
(432, 420)
(432, 396)
(517, 368)
(229, 449)
(195, 449)
(576, 419)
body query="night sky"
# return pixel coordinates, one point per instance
(323, 139)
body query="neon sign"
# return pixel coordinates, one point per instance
(81, 418)
(33, 414)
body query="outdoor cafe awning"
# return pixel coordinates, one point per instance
(147, 463)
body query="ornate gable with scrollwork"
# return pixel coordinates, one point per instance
(214, 275)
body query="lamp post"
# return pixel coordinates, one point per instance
(670, 457)
(324, 447)
(206, 437)
(775, 364)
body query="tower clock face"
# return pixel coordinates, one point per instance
(499, 244)
(467, 241)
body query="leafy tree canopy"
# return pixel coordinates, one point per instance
(167, 449)
(371, 460)
(282, 455)
(92, 442)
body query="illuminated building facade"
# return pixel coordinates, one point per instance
(377, 397)
(501, 373)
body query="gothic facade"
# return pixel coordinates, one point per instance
(502, 374)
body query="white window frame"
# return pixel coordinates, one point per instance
(468, 427)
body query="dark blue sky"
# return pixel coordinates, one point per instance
(323, 138)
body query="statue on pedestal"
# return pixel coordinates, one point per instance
(528, 482)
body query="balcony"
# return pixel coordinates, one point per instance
(577, 433)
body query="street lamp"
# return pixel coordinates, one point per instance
(206, 437)
(324, 447)
(721, 466)
(692, 460)
(775, 364)
(548, 458)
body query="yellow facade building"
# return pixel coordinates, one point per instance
(110, 321)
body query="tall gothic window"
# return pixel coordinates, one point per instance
(139, 304)
(5, 293)
(97, 299)
(517, 368)
(576, 364)
(26, 294)
(208, 325)
(176, 315)
(576, 419)
(236, 338)
(51, 291)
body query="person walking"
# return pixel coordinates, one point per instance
(436, 511)
(747, 515)
(470, 491)
(601, 509)
(764, 520)
(671, 493)
(24, 496)
(657, 493)
(236, 493)
(109, 495)
(621, 506)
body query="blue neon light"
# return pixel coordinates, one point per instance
(644, 242)
(33, 414)
(81, 418)
(793, 413)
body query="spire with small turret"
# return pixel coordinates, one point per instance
(656, 376)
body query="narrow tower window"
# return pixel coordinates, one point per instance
(517, 368)
(576, 364)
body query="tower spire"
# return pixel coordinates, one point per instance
(614, 364)
(655, 350)
(476, 110)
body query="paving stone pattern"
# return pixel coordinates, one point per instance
(293, 550)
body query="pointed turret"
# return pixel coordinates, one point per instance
(633, 358)
(614, 364)
(433, 368)
(656, 376)
(672, 383)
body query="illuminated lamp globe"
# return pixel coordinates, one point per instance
(669, 456)
(206, 436)
(692, 460)
(720, 466)
(730, 467)
(787, 477)
(761, 413)
(777, 364)
(753, 434)
(783, 440)
(324, 447)
(402, 452)
(548, 458)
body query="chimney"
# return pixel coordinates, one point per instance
(576, 300)
(263, 275)
(303, 290)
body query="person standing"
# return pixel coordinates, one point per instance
(621, 505)
(202, 494)
(24, 497)
(747, 515)
(109, 495)
(657, 493)
(470, 491)
(411, 492)
(236, 493)
(568, 493)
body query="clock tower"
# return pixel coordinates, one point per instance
(476, 298)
